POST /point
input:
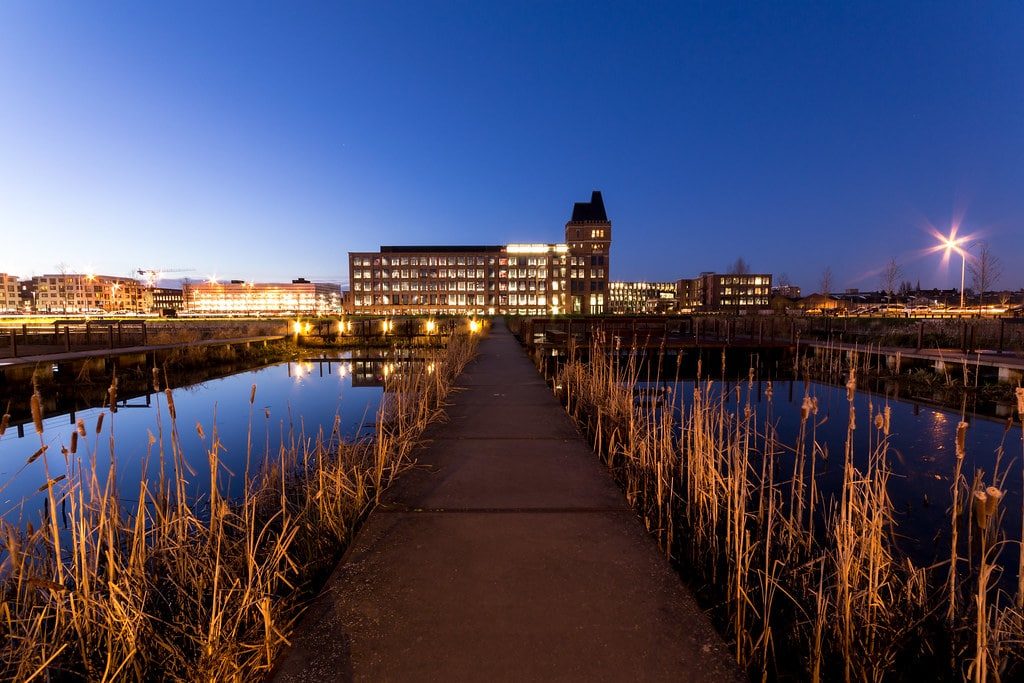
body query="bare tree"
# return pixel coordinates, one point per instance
(826, 281)
(890, 276)
(739, 267)
(783, 280)
(985, 270)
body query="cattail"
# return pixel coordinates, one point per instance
(170, 403)
(981, 509)
(853, 418)
(961, 439)
(1020, 401)
(81, 427)
(35, 456)
(750, 378)
(993, 496)
(879, 421)
(112, 395)
(37, 412)
(814, 405)
(199, 431)
(152, 439)
(252, 395)
(887, 414)
(769, 391)
(156, 379)
(266, 413)
(51, 482)
(805, 408)
(99, 422)
(74, 442)
(4, 421)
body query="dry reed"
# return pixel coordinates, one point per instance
(171, 588)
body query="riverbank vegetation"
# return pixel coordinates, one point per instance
(135, 580)
(806, 583)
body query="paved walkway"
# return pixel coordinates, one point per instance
(64, 356)
(509, 554)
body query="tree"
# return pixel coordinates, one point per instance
(826, 281)
(891, 274)
(985, 270)
(739, 267)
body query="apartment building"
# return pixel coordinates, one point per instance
(515, 279)
(641, 298)
(238, 297)
(85, 293)
(724, 292)
(10, 300)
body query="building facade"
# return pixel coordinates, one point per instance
(641, 298)
(514, 279)
(85, 293)
(10, 299)
(724, 292)
(238, 297)
(166, 299)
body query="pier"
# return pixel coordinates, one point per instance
(506, 553)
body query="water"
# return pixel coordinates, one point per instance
(922, 453)
(299, 396)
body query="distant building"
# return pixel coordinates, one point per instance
(788, 291)
(724, 292)
(166, 299)
(237, 297)
(515, 279)
(85, 293)
(10, 301)
(641, 298)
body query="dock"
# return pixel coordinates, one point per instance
(506, 553)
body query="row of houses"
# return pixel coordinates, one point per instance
(80, 293)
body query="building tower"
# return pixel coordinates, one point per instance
(589, 236)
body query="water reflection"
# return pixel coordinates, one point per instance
(293, 401)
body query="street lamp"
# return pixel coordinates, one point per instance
(951, 244)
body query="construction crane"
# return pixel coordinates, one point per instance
(154, 275)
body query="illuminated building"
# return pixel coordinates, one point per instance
(723, 292)
(86, 293)
(517, 279)
(10, 301)
(640, 298)
(166, 299)
(237, 297)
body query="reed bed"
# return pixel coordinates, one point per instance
(146, 584)
(805, 584)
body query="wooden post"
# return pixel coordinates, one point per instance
(14, 344)
(145, 334)
(110, 335)
(1002, 331)
(120, 341)
(760, 332)
(67, 338)
(970, 345)
(88, 334)
(920, 334)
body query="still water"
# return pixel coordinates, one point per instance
(922, 452)
(294, 397)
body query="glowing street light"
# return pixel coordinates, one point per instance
(474, 326)
(431, 326)
(951, 244)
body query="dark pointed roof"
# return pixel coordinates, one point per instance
(592, 211)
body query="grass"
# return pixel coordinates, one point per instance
(806, 584)
(167, 587)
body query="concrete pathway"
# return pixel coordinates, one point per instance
(507, 554)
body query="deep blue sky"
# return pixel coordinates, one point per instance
(266, 140)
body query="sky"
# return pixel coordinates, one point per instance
(263, 141)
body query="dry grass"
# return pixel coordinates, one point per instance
(171, 588)
(804, 584)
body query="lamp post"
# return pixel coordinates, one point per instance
(951, 244)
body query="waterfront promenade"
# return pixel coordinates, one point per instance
(507, 553)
